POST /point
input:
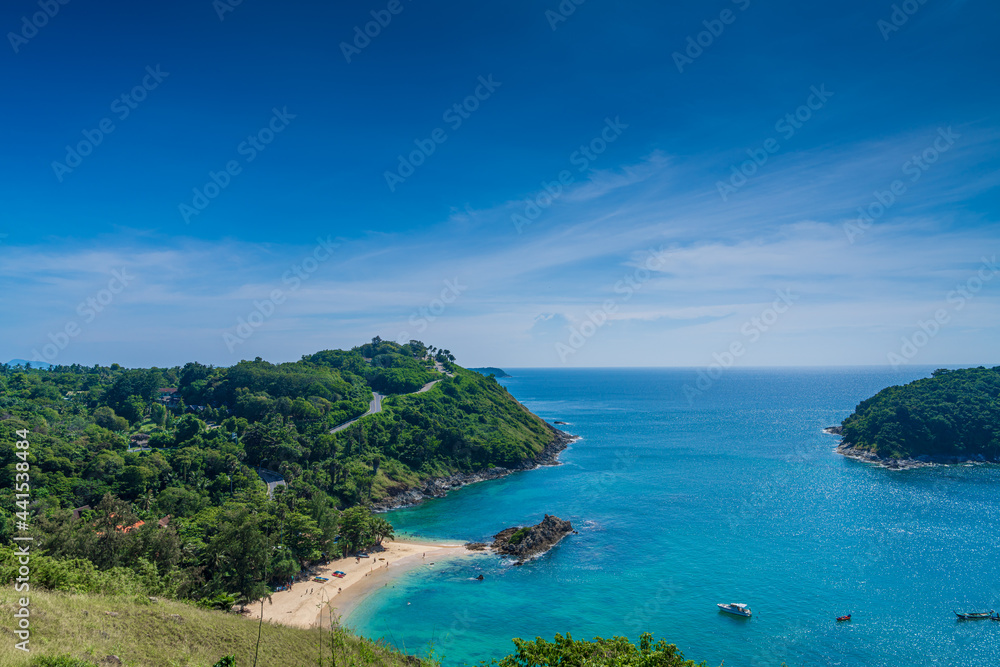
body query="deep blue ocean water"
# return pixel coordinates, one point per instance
(735, 495)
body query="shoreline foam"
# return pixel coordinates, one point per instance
(848, 450)
(309, 603)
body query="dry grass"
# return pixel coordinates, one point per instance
(169, 634)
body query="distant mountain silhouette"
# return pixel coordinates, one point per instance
(25, 362)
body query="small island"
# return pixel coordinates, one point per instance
(524, 542)
(951, 417)
(489, 370)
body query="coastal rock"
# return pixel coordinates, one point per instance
(850, 451)
(833, 430)
(438, 487)
(477, 546)
(523, 542)
(922, 461)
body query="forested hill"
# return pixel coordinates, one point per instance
(182, 444)
(952, 413)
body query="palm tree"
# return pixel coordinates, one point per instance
(381, 529)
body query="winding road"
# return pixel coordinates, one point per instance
(373, 408)
(274, 479)
(376, 404)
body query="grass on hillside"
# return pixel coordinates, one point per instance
(170, 634)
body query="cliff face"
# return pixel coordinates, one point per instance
(524, 542)
(438, 487)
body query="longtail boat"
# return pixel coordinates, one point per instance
(974, 615)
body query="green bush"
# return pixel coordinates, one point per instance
(952, 413)
(519, 535)
(615, 652)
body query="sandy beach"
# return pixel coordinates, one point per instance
(302, 605)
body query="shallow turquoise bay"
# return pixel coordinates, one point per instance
(735, 495)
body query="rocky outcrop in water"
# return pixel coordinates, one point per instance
(924, 460)
(523, 542)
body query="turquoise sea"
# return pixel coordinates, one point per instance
(735, 495)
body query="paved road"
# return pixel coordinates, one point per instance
(376, 404)
(272, 479)
(374, 407)
(426, 387)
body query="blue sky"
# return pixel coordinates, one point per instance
(635, 184)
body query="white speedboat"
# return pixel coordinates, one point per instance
(736, 608)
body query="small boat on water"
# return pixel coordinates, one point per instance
(974, 615)
(736, 608)
(844, 618)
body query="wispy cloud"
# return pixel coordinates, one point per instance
(724, 261)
